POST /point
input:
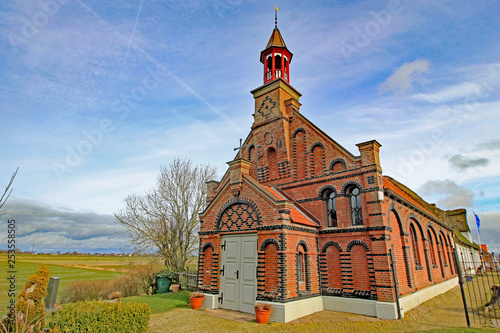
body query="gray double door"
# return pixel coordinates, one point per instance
(238, 277)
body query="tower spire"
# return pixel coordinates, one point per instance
(275, 16)
(276, 57)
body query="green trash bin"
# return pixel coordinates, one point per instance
(163, 285)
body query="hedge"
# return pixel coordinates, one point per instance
(102, 317)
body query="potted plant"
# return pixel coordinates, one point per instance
(196, 300)
(163, 280)
(263, 312)
(175, 287)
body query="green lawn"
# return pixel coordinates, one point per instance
(162, 302)
(63, 270)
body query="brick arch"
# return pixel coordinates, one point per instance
(303, 243)
(330, 243)
(324, 189)
(417, 223)
(429, 226)
(249, 150)
(357, 242)
(207, 244)
(235, 201)
(349, 184)
(394, 209)
(314, 145)
(269, 241)
(338, 160)
(297, 131)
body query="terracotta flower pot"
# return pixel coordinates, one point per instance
(262, 316)
(196, 302)
(175, 288)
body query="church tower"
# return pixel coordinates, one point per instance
(276, 100)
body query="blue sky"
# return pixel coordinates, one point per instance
(95, 96)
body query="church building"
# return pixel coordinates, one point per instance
(301, 223)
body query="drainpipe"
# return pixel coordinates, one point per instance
(394, 276)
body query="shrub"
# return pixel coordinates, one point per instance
(164, 273)
(76, 291)
(30, 306)
(145, 276)
(196, 295)
(85, 290)
(264, 306)
(115, 295)
(127, 284)
(98, 316)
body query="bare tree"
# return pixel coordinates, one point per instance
(165, 219)
(6, 194)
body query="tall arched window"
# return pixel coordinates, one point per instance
(331, 208)
(273, 166)
(431, 248)
(355, 201)
(414, 245)
(271, 272)
(207, 272)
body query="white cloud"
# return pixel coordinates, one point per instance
(463, 91)
(452, 195)
(404, 77)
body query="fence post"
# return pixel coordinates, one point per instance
(461, 282)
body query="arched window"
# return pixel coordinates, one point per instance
(317, 153)
(269, 63)
(331, 209)
(207, 272)
(271, 272)
(277, 60)
(300, 267)
(355, 201)
(273, 166)
(431, 247)
(414, 245)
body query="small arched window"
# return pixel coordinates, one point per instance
(355, 201)
(331, 209)
(277, 60)
(269, 62)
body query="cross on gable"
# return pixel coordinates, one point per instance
(240, 148)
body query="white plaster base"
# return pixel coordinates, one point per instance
(413, 300)
(210, 301)
(366, 307)
(285, 312)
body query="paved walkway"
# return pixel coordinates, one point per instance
(324, 316)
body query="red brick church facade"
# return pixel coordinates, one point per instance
(300, 222)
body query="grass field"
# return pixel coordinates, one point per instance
(162, 303)
(67, 267)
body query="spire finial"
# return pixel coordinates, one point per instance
(275, 16)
